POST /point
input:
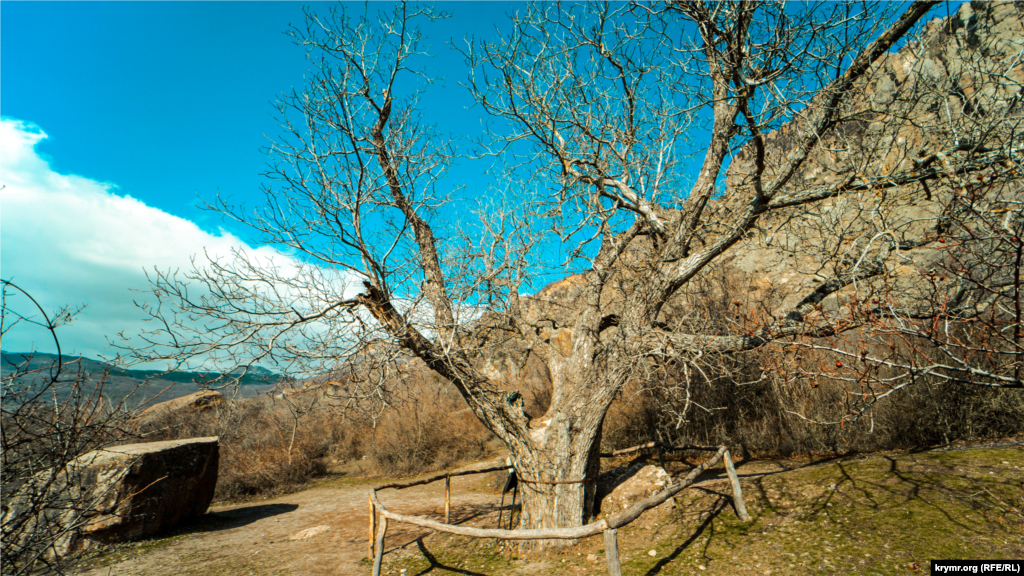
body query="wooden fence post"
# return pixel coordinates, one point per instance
(737, 492)
(447, 499)
(373, 527)
(611, 552)
(379, 556)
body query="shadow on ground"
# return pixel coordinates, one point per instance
(857, 514)
(435, 564)
(237, 517)
(400, 535)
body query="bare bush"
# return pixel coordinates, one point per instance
(51, 413)
(770, 403)
(265, 446)
(275, 444)
(411, 440)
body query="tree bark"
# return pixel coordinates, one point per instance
(558, 475)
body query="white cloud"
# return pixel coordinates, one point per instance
(67, 239)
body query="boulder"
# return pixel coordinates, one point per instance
(193, 403)
(121, 493)
(622, 487)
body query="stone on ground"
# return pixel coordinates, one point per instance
(620, 488)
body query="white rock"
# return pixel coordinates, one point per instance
(309, 532)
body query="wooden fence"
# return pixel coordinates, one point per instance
(608, 526)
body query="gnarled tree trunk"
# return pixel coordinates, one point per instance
(559, 463)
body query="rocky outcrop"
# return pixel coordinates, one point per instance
(948, 88)
(121, 493)
(192, 403)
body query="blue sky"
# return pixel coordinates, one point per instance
(167, 99)
(117, 116)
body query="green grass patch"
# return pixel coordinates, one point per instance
(449, 554)
(103, 556)
(881, 514)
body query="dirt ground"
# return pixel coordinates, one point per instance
(319, 531)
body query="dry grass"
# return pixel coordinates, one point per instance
(264, 449)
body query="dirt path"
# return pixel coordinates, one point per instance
(266, 537)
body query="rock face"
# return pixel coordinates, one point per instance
(123, 493)
(143, 489)
(946, 87)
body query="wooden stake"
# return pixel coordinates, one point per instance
(373, 528)
(379, 556)
(737, 492)
(611, 552)
(447, 499)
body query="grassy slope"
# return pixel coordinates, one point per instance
(861, 515)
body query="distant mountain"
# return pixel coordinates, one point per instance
(138, 388)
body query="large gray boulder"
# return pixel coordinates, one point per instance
(121, 493)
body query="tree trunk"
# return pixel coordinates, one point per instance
(558, 476)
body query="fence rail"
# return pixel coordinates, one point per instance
(607, 526)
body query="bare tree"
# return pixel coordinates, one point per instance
(51, 414)
(642, 144)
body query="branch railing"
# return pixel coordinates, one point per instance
(607, 526)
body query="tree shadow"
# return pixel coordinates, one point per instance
(435, 563)
(706, 525)
(405, 534)
(932, 485)
(864, 486)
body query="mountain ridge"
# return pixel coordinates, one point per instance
(138, 388)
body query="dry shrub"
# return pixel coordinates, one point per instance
(631, 420)
(773, 417)
(425, 436)
(266, 446)
(756, 401)
(272, 445)
(413, 422)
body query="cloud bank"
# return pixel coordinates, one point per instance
(71, 240)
